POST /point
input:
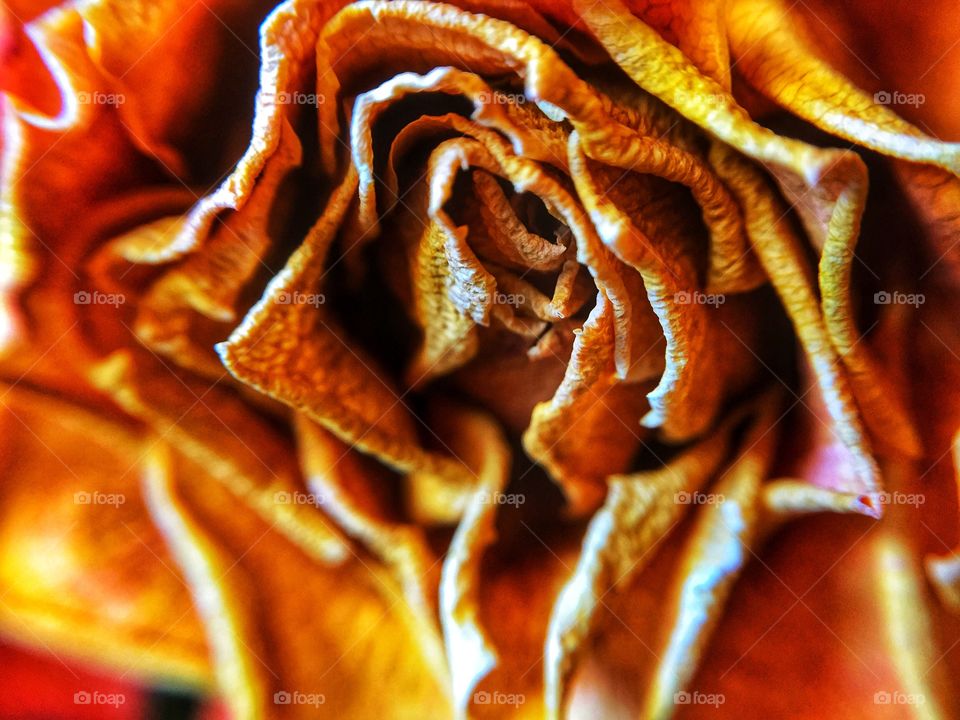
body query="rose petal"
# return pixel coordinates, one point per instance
(83, 570)
(637, 513)
(355, 654)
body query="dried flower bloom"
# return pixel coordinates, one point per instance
(532, 360)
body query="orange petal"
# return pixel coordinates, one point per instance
(83, 570)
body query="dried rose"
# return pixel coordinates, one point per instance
(473, 254)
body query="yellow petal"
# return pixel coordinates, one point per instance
(353, 492)
(723, 540)
(469, 651)
(289, 637)
(944, 570)
(84, 573)
(781, 254)
(215, 430)
(290, 351)
(638, 512)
